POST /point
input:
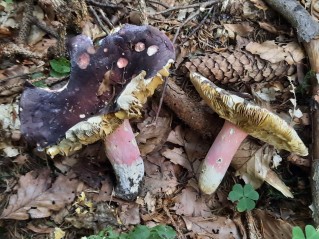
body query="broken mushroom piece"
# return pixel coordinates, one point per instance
(242, 118)
(107, 85)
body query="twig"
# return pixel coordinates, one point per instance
(25, 22)
(98, 19)
(159, 3)
(106, 19)
(166, 210)
(307, 28)
(17, 76)
(194, 14)
(11, 49)
(8, 87)
(161, 100)
(43, 27)
(198, 26)
(142, 8)
(201, 4)
(103, 5)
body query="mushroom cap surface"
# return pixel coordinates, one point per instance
(254, 120)
(98, 76)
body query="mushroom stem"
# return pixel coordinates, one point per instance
(122, 151)
(219, 157)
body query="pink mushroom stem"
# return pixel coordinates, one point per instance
(219, 157)
(122, 151)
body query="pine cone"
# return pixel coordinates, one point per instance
(234, 66)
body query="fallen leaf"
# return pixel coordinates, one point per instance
(37, 197)
(152, 136)
(58, 233)
(268, 27)
(159, 175)
(272, 227)
(292, 53)
(243, 29)
(190, 203)
(252, 163)
(216, 227)
(40, 228)
(129, 214)
(177, 156)
(150, 202)
(176, 136)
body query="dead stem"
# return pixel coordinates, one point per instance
(103, 5)
(98, 19)
(201, 5)
(26, 22)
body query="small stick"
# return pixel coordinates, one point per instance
(161, 100)
(159, 3)
(198, 26)
(202, 4)
(103, 5)
(106, 19)
(98, 19)
(44, 27)
(25, 22)
(194, 14)
(12, 49)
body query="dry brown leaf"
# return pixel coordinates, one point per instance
(177, 156)
(270, 51)
(260, 4)
(160, 175)
(153, 136)
(130, 214)
(190, 203)
(268, 27)
(216, 227)
(267, 50)
(294, 53)
(176, 136)
(243, 29)
(150, 202)
(272, 227)
(252, 163)
(37, 197)
(40, 228)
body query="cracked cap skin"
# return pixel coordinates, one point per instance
(254, 120)
(98, 76)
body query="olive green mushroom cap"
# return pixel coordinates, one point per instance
(254, 120)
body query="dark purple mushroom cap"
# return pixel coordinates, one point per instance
(97, 78)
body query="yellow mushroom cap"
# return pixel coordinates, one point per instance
(254, 120)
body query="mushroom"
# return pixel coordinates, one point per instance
(241, 118)
(106, 86)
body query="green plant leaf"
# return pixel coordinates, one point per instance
(245, 204)
(236, 193)
(250, 192)
(297, 233)
(311, 232)
(164, 232)
(56, 74)
(139, 232)
(61, 65)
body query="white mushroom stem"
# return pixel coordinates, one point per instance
(122, 151)
(219, 157)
